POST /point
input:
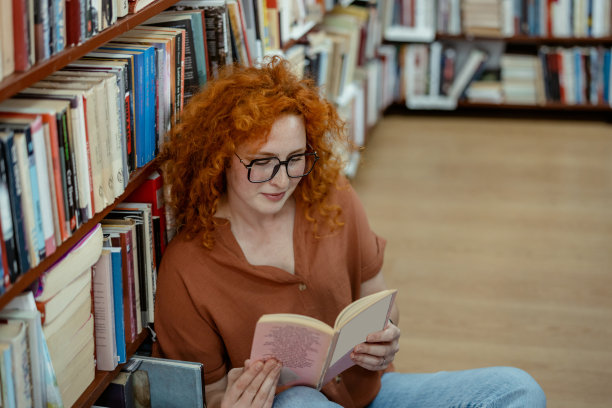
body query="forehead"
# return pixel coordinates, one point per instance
(287, 134)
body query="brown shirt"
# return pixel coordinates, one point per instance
(208, 301)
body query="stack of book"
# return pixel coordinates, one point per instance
(63, 296)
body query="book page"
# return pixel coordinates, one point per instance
(301, 348)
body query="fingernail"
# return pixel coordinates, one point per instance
(259, 366)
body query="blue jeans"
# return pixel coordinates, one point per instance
(493, 387)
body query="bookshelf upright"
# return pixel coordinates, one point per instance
(20, 80)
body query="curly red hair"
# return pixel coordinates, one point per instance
(240, 106)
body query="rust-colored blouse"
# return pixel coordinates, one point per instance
(208, 301)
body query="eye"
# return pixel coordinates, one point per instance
(263, 162)
(296, 159)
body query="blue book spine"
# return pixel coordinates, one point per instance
(118, 305)
(40, 236)
(607, 59)
(152, 103)
(59, 8)
(9, 392)
(7, 149)
(139, 101)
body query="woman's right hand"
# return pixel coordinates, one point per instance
(253, 385)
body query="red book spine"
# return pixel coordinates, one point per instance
(20, 35)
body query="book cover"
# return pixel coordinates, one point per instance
(13, 332)
(40, 181)
(173, 382)
(28, 109)
(116, 263)
(7, 57)
(30, 200)
(7, 385)
(104, 313)
(142, 214)
(70, 266)
(7, 149)
(151, 191)
(10, 256)
(132, 120)
(31, 319)
(21, 38)
(313, 352)
(53, 307)
(121, 237)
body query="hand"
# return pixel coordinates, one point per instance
(253, 385)
(379, 349)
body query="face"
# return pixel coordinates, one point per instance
(287, 137)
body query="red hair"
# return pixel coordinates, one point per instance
(239, 107)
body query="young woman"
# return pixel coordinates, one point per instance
(268, 224)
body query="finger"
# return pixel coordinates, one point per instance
(252, 390)
(265, 397)
(389, 334)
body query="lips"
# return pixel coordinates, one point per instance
(274, 197)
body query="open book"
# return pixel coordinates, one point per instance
(312, 352)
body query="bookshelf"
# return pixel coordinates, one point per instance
(13, 84)
(506, 30)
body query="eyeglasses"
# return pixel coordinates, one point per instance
(264, 169)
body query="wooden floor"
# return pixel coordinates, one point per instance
(500, 241)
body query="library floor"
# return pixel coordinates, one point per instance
(500, 242)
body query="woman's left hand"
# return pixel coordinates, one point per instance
(379, 349)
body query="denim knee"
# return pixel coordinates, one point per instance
(302, 397)
(519, 389)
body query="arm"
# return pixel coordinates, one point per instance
(380, 348)
(253, 385)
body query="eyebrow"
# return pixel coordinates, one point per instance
(269, 154)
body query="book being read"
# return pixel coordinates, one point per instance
(311, 351)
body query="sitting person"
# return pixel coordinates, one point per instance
(268, 224)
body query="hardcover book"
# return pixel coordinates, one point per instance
(312, 352)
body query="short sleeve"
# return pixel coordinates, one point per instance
(369, 246)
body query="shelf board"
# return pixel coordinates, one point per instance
(23, 282)
(19, 80)
(549, 106)
(529, 40)
(103, 378)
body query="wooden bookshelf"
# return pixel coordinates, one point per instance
(11, 85)
(19, 80)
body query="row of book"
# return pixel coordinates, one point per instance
(90, 304)
(420, 20)
(438, 75)
(70, 142)
(571, 76)
(33, 31)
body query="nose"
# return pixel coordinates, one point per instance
(281, 177)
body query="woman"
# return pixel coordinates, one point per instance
(267, 224)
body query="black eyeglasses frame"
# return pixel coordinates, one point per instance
(278, 166)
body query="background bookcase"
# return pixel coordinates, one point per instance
(514, 27)
(19, 80)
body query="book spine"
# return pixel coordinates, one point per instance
(10, 256)
(20, 35)
(44, 191)
(19, 228)
(33, 239)
(67, 174)
(42, 29)
(116, 260)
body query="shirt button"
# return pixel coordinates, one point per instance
(302, 287)
(338, 379)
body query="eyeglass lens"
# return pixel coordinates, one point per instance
(298, 165)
